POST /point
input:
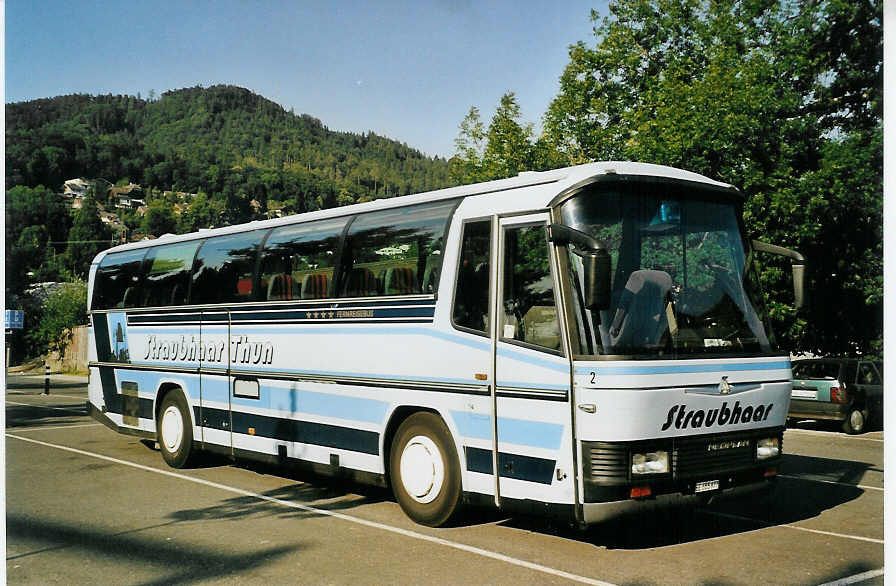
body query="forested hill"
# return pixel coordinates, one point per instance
(226, 141)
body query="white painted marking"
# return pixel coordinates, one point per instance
(80, 412)
(52, 394)
(832, 435)
(797, 527)
(862, 486)
(20, 429)
(323, 512)
(856, 578)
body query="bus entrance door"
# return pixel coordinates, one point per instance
(532, 430)
(214, 379)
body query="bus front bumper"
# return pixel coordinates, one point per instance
(605, 511)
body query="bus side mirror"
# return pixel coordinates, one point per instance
(595, 261)
(597, 279)
(797, 266)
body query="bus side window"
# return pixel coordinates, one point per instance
(530, 312)
(167, 274)
(224, 270)
(118, 280)
(395, 252)
(299, 261)
(471, 289)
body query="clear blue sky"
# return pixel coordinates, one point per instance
(406, 70)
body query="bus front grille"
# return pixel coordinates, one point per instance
(609, 463)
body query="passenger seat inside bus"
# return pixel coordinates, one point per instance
(640, 318)
(361, 282)
(282, 287)
(314, 286)
(400, 281)
(431, 272)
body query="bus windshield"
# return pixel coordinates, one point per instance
(682, 280)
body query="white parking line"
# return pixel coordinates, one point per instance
(797, 527)
(80, 412)
(52, 394)
(38, 428)
(832, 435)
(405, 532)
(856, 578)
(862, 486)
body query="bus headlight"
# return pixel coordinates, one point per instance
(767, 448)
(650, 463)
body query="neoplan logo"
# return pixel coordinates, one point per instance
(681, 417)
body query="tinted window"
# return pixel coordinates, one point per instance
(530, 312)
(816, 370)
(299, 261)
(395, 252)
(471, 293)
(868, 375)
(225, 267)
(168, 274)
(117, 280)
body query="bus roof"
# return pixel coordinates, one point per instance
(562, 178)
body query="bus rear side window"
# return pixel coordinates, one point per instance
(395, 252)
(299, 261)
(168, 274)
(225, 267)
(117, 280)
(471, 292)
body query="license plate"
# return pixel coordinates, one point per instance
(707, 486)
(802, 394)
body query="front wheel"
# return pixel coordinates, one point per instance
(424, 470)
(174, 430)
(855, 421)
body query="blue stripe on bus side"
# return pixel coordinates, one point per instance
(323, 404)
(537, 434)
(293, 430)
(677, 369)
(513, 466)
(471, 341)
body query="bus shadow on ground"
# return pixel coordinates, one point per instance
(174, 562)
(312, 493)
(797, 497)
(30, 416)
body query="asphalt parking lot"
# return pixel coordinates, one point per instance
(86, 505)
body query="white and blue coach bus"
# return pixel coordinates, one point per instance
(576, 341)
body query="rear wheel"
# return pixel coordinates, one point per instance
(424, 470)
(174, 430)
(855, 421)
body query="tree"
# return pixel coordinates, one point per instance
(201, 213)
(509, 148)
(159, 218)
(33, 216)
(87, 237)
(502, 150)
(768, 96)
(466, 164)
(65, 308)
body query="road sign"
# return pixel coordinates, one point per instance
(15, 319)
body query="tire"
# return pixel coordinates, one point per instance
(174, 430)
(424, 470)
(856, 421)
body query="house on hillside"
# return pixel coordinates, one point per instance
(76, 188)
(110, 219)
(128, 202)
(128, 196)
